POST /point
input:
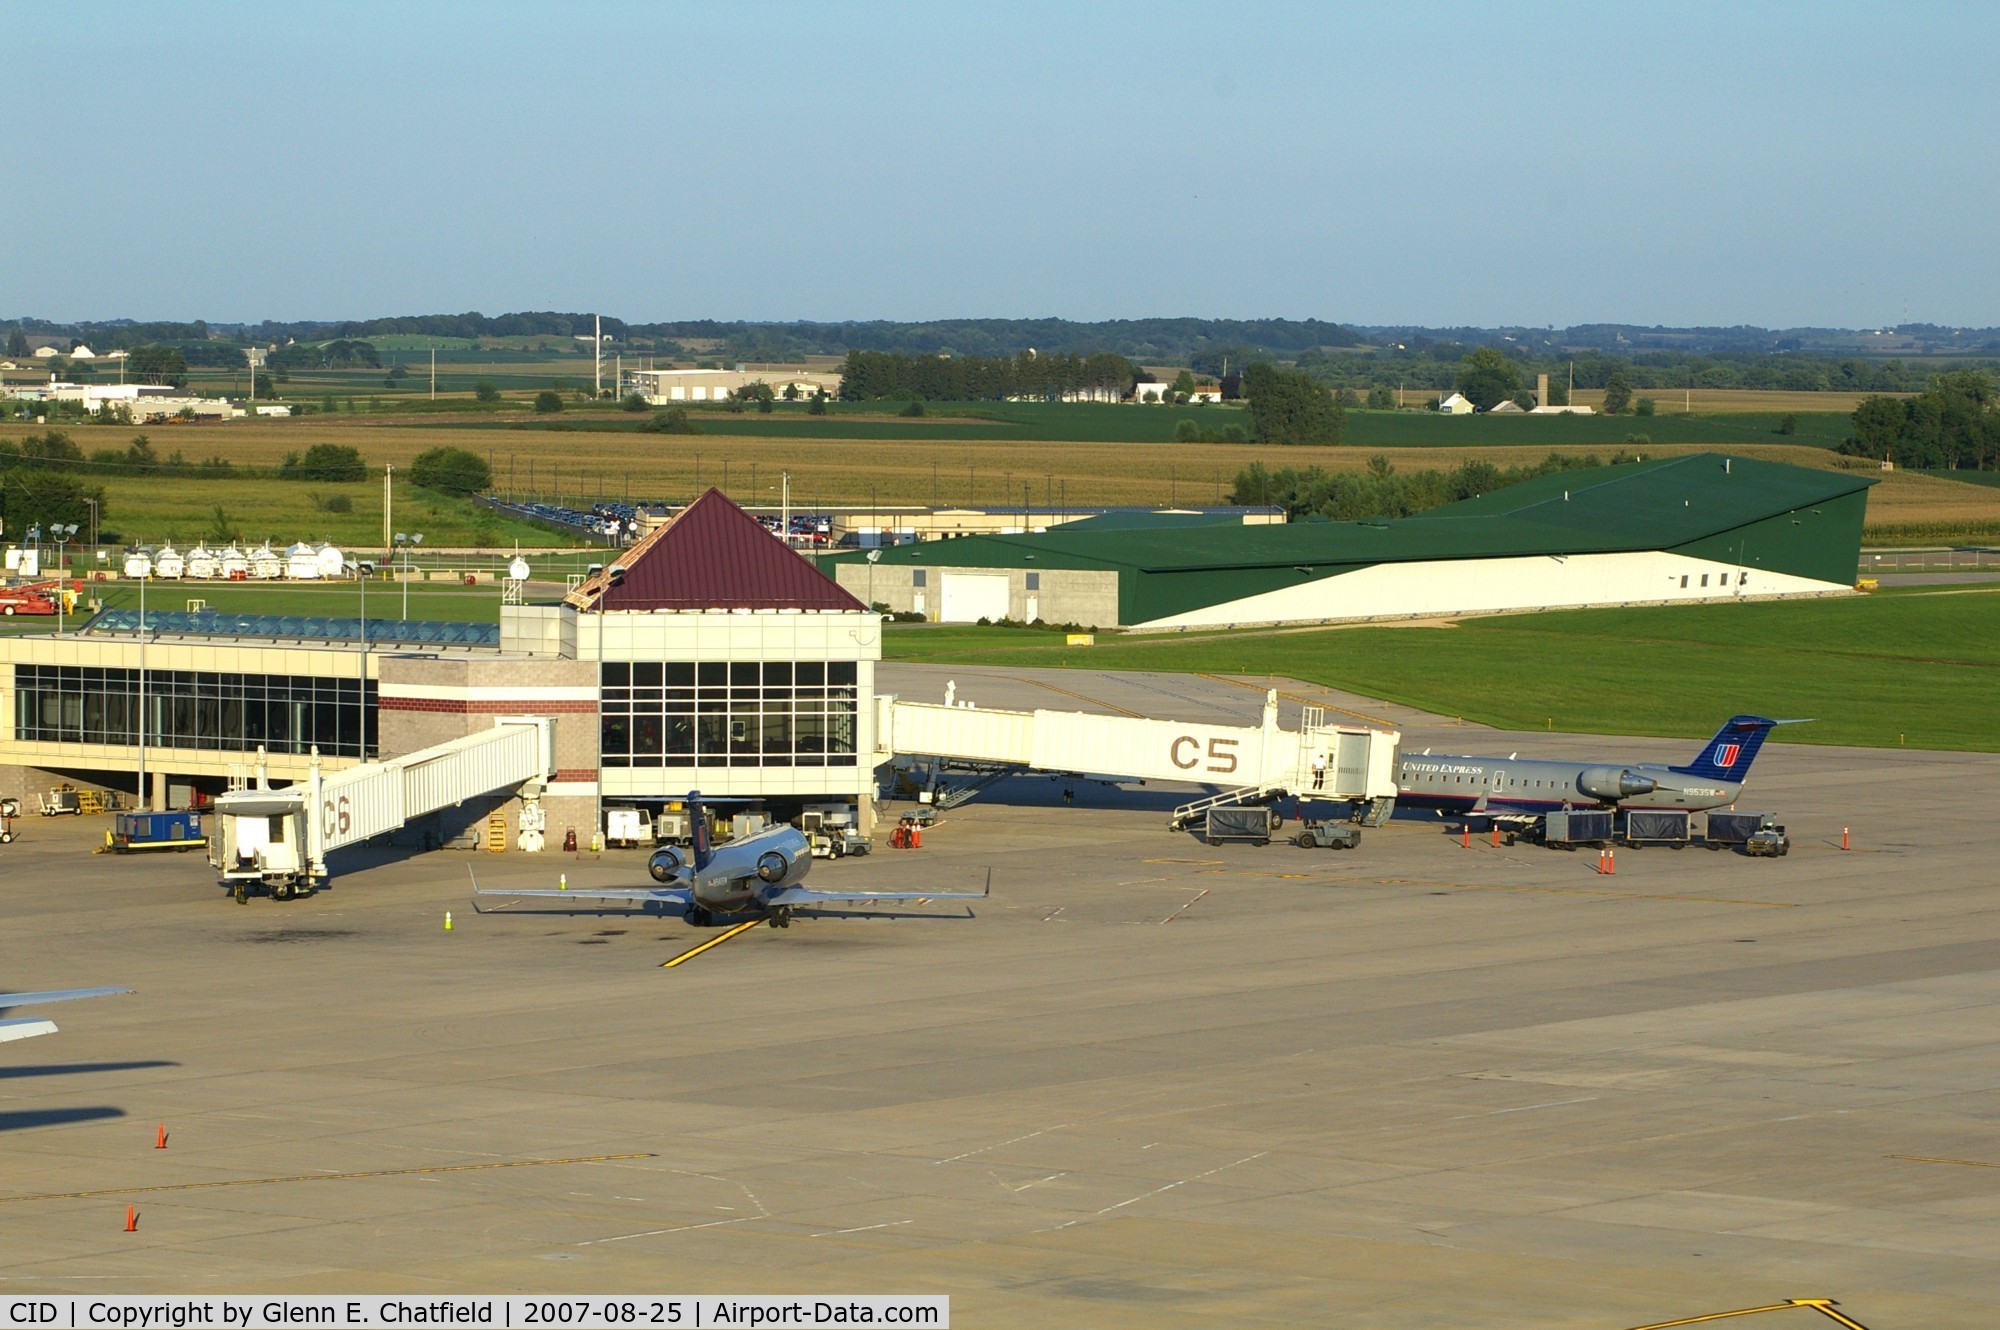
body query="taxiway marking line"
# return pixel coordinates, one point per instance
(1502, 886)
(1939, 1159)
(715, 941)
(322, 1177)
(1824, 1306)
(1185, 908)
(1081, 697)
(1303, 701)
(997, 1145)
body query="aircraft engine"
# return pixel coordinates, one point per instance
(772, 866)
(1614, 782)
(665, 864)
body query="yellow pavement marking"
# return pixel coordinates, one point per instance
(1824, 1306)
(1938, 1159)
(1180, 861)
(322, 1177)
(715, 941)
(1304, 701)
(1081, 697)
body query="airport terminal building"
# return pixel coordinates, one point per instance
(1679, 529)
(710, 656)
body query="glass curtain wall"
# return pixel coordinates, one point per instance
(190, 709)
(728, 713)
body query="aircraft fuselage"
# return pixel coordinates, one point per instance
(1504, 786)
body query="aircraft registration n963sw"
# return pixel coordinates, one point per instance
(758, 875)
(1512, 788)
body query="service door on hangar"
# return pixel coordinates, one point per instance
(970, 597)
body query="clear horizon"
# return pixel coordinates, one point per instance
(1441, 165)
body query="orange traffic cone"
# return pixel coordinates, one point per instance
(160, 1142)
(131, 1219)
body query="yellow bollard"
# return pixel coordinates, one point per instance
(447, 921)
(562, 882)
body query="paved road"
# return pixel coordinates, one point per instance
(1412, 1085)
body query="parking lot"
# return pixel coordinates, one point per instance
(1151, 1083)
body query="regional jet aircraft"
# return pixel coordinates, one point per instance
(758, 875)
(1511, 789)
(29, 1027)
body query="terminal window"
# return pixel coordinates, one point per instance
(728, 713)
(195, 709)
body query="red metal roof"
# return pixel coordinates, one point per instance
(714, 556)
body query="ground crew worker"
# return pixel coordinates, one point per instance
(1319, 771)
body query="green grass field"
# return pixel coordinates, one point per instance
(1919, 667)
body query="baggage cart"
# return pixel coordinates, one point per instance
(1568, 828)
(1253, 823)
(1658, 826)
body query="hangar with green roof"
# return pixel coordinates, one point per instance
(1706, 527)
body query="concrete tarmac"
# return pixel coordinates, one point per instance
(1151, 1083)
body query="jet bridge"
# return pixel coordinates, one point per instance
(1253, 762)
(281, 838)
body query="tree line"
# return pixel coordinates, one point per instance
(882, 375)
(1954, 424)
(1383, 491)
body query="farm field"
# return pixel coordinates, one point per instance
(924, 464)
(1914, 667)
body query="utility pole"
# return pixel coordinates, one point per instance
(434, 374)
(388, 498)
(597, 355)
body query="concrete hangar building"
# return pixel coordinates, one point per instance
(1697, 528)
(709, 656)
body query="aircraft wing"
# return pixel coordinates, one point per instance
(30, 1027)
(637, 895)
(807, 896)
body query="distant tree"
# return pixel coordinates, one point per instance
(451, 471)
(817, 406)
(484, 391)
(759, 391)
(398, 372)
(1487, 377)
(791, 392)
(1381, 399)
(333, 462)
(547, 402)
(17, 343)
(1617, 393)
(1347, 399)
(764, 405)
(914, 408)
(672, 421)
(263, 384)
(1526, 401)
(634, 402)
(158, 364)
(1558, 393)
(327, 405)
(1288, 407)
(1788, 423)
(1183, 383)
(1187, 431)
(1645, 406)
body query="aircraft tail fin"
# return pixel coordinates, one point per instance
(698, 829)
(1729, 754)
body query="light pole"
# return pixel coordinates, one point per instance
(145, 802)
(613, 575)
(62, 536)
(407, 545)
(93, 520)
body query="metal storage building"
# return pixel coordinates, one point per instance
(1703, 527)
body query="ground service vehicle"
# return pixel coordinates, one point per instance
(1758, 833)
(1328, 836)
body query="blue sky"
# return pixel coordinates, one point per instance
(1768, 163)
